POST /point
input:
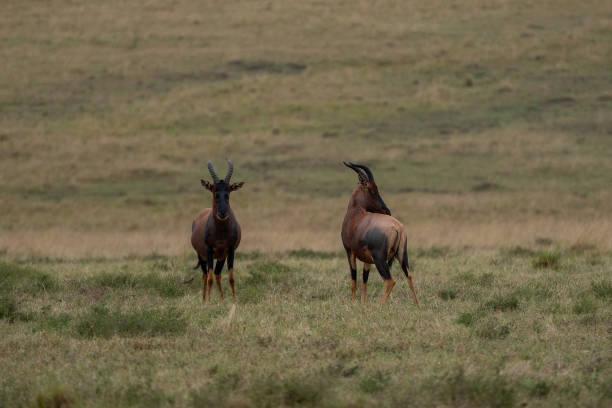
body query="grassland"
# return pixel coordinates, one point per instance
(487, 125)
(496, 329)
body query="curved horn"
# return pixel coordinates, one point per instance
(212, 172)
(362, 177)
(367, 170)
(229, 171)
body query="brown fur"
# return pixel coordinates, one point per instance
(216, 233)
(220, 244)
(367, 213)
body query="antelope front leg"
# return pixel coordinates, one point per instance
(209, 263)
(230, 271)
(218, 269)
(203, 266)
(353, 266)
(364, 285)
(203, 286)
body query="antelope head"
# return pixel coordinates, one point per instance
(221, 190)
(366, 193)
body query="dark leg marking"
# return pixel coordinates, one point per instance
(209, 263)
(364, 285)
(366, 272)
(218, 269)
(230, 270)
(383, 269)
(353, 268)
(201, 264)
(219, 266)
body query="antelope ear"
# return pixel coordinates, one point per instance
(236, 186)
(207, 185)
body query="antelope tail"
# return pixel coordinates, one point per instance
(402, 257)
(402, 250)
(199, 263)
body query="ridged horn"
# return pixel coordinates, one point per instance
(229, 171)
(362, 177)
(212, 172)
(367, 170)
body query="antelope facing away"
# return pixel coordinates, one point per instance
(372, 235)
(215, 233)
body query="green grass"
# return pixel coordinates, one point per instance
(602, 289)
(296, 339)
(101, 322)
(502, 303)
(18, 279)
(547, 260)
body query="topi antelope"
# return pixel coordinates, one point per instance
(372, 235)
(215, 233)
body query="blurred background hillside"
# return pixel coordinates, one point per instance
(486, 123)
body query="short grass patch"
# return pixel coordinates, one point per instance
(374, 383)
(161, 282)
(491, 328)
(539, 388)
(460, 389)
(502, 303)
(56, 397)
(602, 289)
(585, 304)
(100, 321)
(8, 308)
(265, 277)
(16, 278)
(547, 260)
(465, 318)
(447, 294)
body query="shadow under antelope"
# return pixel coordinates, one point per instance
(215, 232)
(372, 235)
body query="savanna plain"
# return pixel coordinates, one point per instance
(487, 125)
